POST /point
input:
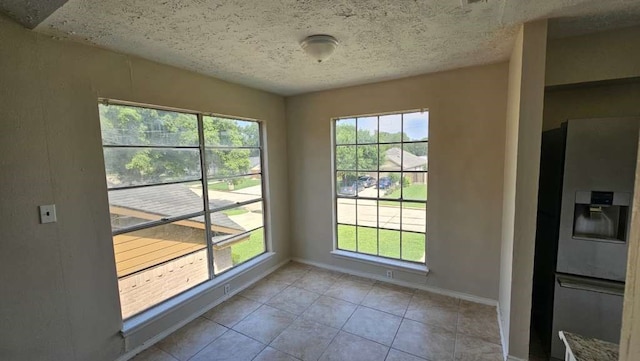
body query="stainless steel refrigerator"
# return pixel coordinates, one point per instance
(594, 213)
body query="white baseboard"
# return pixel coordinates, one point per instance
(460, 295)
(152, 341)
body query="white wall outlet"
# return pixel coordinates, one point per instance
(48, 213)
(389, 274)
(227, 289)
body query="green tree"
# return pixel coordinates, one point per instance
(127, 126)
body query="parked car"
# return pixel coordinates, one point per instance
(367, 181)
(351, 189)
(384, 183)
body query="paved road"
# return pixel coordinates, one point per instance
(385, 216)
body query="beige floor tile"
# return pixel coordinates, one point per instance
(231, 346)
(191, 338)
(265, 323)
(232, 311)
(289, 273)
(394, 287)
(348, 277)
(263, 290)
(349, 290)
(429, 342)
(330, 311)
(305, 339)
(429, 299)
(395, 355)
(293, 299)
(387, 300)
(479, 320)
(154, 354)
(271, 354)
(373, 324)
(318, 281)
(475, 349)
(348, 347)
(446, 318)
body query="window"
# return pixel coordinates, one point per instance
(185, 198)
(380, 167)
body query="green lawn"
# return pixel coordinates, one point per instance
(224, 186)
(414, 191)
(235, 211)
(413, 244)
(244, 251)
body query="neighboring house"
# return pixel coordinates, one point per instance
(396, 159)
(254, 165)
(138, 250)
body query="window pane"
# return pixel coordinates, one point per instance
(389, 214)
(390, 128)
(415, 156)
(416, 126)
(347, 238)
(390, 157)
(157, 263)
(367, 130)
(346, 211)
(413, 247)
(227, 132)
(223, 193)
(368, 240)
(347, 184)
(369, 181)
(139, 166)
(389, 185)
(414, 217)
(367, 213)
(127, 125)
(367, 157)
(232, 222)
(239, 250)
(346, 157)
(130, 207)
(224, 163)
(346, 131)
(389, 243)
(414, 186)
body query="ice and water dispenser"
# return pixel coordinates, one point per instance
(601, 216)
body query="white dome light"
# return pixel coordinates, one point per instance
(319, 47)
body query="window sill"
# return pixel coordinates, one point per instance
(140, 321)
(421, 269)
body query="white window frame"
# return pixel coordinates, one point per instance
(394, 263)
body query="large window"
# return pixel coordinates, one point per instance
(185, 198)
(380, 167)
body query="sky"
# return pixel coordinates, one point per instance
(416, 125)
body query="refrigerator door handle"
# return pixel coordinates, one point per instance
(611, 288)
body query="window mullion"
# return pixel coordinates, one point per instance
(205, 196)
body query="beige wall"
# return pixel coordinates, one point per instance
(466, 149)
(521, 170)
(59, 292)
(591, 101)
(601, 56)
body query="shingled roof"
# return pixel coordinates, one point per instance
(409, 160)
(169, 200)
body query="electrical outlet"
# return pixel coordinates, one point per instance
(48, 213)
(227, 289)
(389, 274)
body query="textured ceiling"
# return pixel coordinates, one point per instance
(256, 42)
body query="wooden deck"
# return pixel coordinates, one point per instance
(140, 250)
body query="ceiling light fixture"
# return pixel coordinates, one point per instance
(319, 47)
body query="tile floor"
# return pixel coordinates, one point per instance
(306, 313)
